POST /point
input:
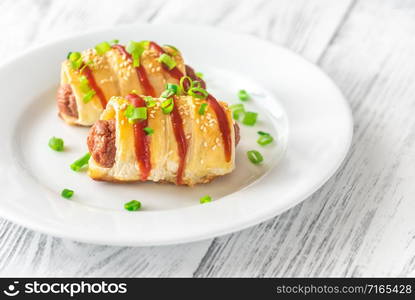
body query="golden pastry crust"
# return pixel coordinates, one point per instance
(115, 75)
(205, 158)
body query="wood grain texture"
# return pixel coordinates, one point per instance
(359, 224)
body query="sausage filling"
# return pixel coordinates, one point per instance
(101, 142)
(237, 134)
(66, 101)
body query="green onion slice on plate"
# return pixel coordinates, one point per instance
(205, 199)
(243, 95)
(66, 193)
(264, 138)
(255, 157)
(56, 144)
(133, 205)
(81, 162)
(250, 118)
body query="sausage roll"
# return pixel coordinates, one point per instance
(188, 141)
(90, 78)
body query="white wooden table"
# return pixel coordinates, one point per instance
(360, 223)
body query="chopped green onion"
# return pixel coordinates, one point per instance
(84, 84)
(148, 130)
(198, 92)
(171, 86)
(80, 163)
(114, 42)
(236, 114)
(243, 95)
(175, 50)
(239, 106)
(73, 56)
(88, 96)
(197, 84)
(133, 205)
(255, 157)
(167, 94)
(133, 46)
(75, 59)
(167, 60)
(86, 89)
(249, 118)
(129, 111)
(171, 90)
(199, 74)
(202, 108)
(150, 102)
(135, 113)
(237, 110)
(103, 47)
(263, 133)
(265, 140)
(136, 49)
(205, 199)
(167, 106)
(56, 144)
(181, 82)
(66, 193)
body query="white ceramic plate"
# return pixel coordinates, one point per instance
(297, 103)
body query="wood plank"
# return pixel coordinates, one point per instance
(30, 22)
(361, 222)
(27, 253)
(303, 26)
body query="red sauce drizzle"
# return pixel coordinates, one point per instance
(175, 72)
(86, 71)
(177, 123)
(176, 119)
(223, 125)
(142, 149)
(141, 72)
